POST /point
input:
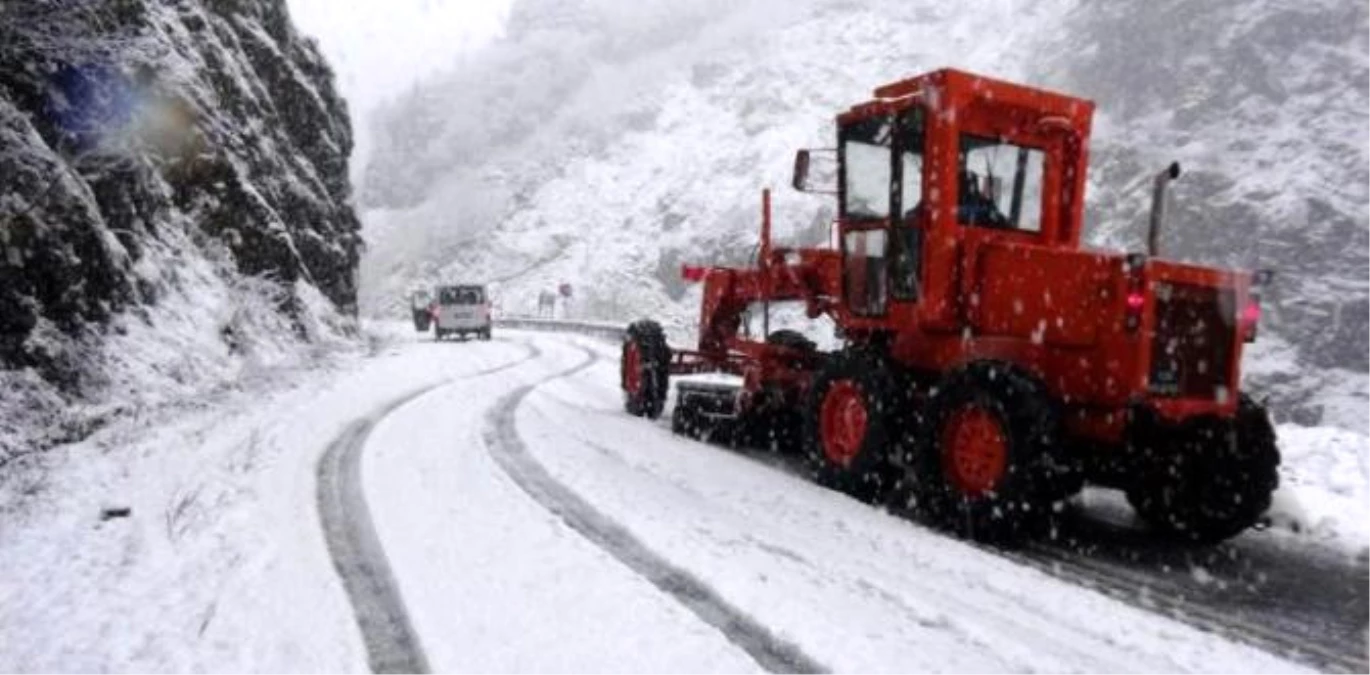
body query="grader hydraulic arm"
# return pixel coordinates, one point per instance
(780, 274)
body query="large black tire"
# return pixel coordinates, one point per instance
(849, 424)
(779, 430)
(986, 463)
(646, 386)
(778, 424)
(1209, 480)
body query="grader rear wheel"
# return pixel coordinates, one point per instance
(1210, 480)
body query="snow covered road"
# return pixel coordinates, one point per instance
(362, 564)
(495, 582)
(825, 580)
(518, 521)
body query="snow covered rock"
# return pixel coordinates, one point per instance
(173, 193)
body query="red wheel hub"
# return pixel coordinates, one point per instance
(842, 422)
(632, 369)
(974, 450)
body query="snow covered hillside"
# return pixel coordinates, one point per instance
(603, 142)
(174, 207)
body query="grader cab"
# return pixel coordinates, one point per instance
(990, 367)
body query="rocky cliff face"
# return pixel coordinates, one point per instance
(173, 203)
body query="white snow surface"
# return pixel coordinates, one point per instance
(1323, 483)
(221, 564)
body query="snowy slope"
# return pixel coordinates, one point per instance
(1325, 489)
(605, 142)
(1264, 103)
(639, 153)
(220, 564)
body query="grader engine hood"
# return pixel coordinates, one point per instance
(1193, 322)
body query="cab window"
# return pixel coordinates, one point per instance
(866, 163)
(906, 247)
(999, 185)
(864, 270)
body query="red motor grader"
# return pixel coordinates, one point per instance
(990, 367)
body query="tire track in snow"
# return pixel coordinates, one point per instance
(509, 451)
(392, 646)
(1147, 590)
(1158, 594)
(863, 583)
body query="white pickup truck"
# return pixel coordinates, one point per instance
(462, 310)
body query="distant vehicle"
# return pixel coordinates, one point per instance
(421, 306)
(462, 310)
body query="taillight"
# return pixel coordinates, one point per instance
(693, 273)
(1251, 313)
(1135, 300)
(1251, 318)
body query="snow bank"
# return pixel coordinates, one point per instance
(1323, 492)
(219, 563)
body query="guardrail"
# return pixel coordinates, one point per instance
(599, 329)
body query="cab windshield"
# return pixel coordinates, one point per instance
(867, 167)
(866, 153)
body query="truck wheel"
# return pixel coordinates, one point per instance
(645, 369)
(848, 420)
(987, 464)
(1211, 480)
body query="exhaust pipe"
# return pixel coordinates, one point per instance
(1159, 185)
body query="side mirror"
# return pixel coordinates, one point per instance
(800, 180)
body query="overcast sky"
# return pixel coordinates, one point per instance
(379, 47)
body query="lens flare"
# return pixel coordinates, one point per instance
(96, 108)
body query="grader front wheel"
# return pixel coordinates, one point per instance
(645, 369)
(987, 463)
(848, 425)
